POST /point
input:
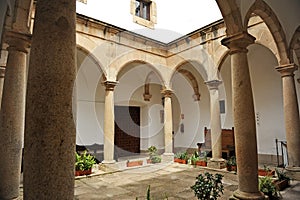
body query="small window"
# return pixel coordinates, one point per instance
(144, 12)
(142, 9)
(222, 106)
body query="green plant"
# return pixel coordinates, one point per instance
(194, 158)
(153, 155)
(268, 188)
(231, 161)
(181, 155)
(208, 186)
(281, 174)
(148, 196)
(84, 161)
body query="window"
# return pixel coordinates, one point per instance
(144, 12)
(142, 9)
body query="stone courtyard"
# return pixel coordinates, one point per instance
(167, 181)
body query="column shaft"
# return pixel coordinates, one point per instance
(215, 120)
(244, 118)
(109, 123)
(2, 73)
(12, 116)
(49, 149)
(168, 126)
(291, 114)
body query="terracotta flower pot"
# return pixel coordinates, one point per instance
(179, 161)
(201, 163)
(263, 172)
(83, 172)
(134, 163)
(281, 185)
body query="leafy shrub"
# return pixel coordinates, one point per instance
(154, 157)
(208, 186)
(84, 161)
(268, 188)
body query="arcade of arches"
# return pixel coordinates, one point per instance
(172, 91)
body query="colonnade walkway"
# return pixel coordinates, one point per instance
(167, 181)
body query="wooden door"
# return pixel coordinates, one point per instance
(127, 130)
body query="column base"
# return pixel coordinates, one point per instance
(216, 163)
(293, 172)
(109, 166)
(247, 196)
(167, 157)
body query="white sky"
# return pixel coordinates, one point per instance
(174, 17)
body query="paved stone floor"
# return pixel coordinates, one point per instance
(167, 181)
(170, 182)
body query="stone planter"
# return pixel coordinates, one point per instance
(281, 185)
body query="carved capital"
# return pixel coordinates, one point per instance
(167, 92)
(147, 96)
(110, 85)
(213, 85)
(239, 42)
(287, 70)
(18, 41)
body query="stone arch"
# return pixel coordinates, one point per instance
(262, 9)
(88, 46)
(190, 76)
(231, 15)
(295, 45)
(94, 59)
(136, 56)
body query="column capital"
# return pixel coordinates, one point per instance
(167, 92)
(110, 85)
(287, 70)
(2, 72)
(238, 42)
(18, 41)
(213, 84)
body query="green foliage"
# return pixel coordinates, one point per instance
(208, 186)
(148, 193)
(281, 174)
(194, 158)
(268, 188)
(154, 157)
(231, 161)
(148, 196)
(181, 155)
(84, 161)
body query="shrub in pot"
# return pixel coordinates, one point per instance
(84, 163)
(153, 155)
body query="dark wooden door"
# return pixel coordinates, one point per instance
(127, 130)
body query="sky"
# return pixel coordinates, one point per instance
(175, 18)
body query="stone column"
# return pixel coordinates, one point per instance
(12, 115)
(291, 114)
(168, 126)
(215, 125)
(109, 123)
(2, 73)
(49, 149)
(244, 117)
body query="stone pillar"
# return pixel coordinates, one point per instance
(215, 125)
(291, 114)
(50, 136)
(2, 73)
(109, 123)
(12, 115)
(244, 117)
(168, 156)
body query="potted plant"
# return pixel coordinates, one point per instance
(84, 163)
(202, 160)
(231, 164)
(134, 163)
(194, 158)
(208, 186)
(267, 186)
(266, 171)
(283, 179)
(153, 155)
(181, 157)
